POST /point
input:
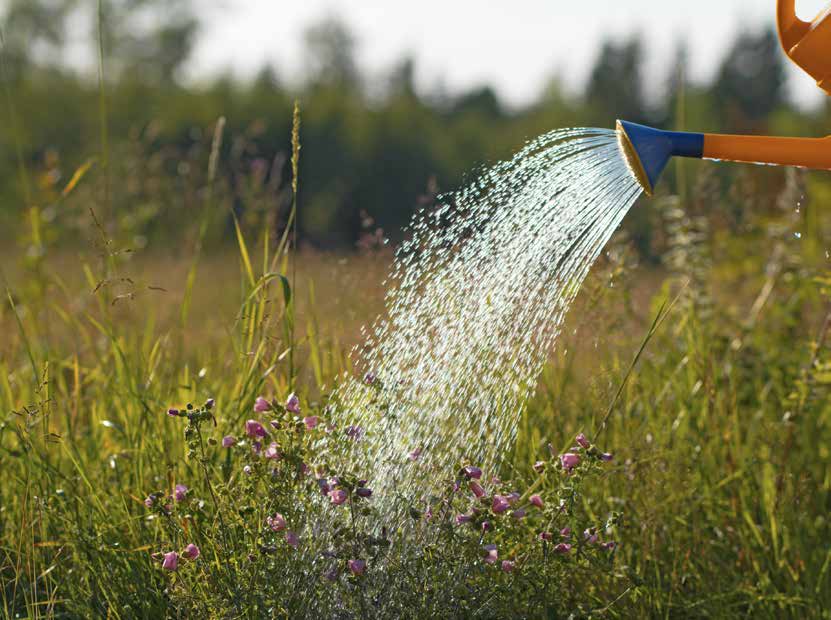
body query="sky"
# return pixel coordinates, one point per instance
(516, 46)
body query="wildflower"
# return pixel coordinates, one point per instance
(472, 472)
(486, 525)
(357, 567)
(257, 447)
(261, 405)
(338, 496)
(546, 536)
(500, 504)
(582, 441)
(462, 519)
(508, 566)
(310, 422)
(304, 469)
(539, 467)
(331, 574)
(413, 456)
(606, 456)
(209, 404)
(609, 546)
(179, 492)
(354, 432)
(491, 554)
(246, 469)
(477, 489)
(173, 412)
(149, 501)
(171, 561)
(229, 441)
(369, 378)
(276, 523)
(565, 532)
(590, 536)
(569, 461)
(518, 514)
(254, 429)
(292, 539)
(293, 403)
(323, 485)
(536, 500)
(428, 514)
(191, 552)
(512, 498)
(562, 548)
(273, 451)
(364, 492)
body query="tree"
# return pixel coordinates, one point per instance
(330, 49)
(33, 31)
(615, 88)
(750, 83)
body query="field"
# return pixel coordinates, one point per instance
(707, 378)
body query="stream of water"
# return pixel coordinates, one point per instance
(476, 299)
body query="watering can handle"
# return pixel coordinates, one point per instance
(791, 28)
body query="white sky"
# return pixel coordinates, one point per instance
(515, 45)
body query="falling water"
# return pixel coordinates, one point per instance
(475, 302)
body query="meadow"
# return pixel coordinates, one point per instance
(706, 378)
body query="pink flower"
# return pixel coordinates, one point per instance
(261, 405)
(354, 432)
(304, 469)
(338, 496)
(369, 378)
(292, 539)
(565, 532)
(179, 492)
(477, 489)
(486, 525)
(171, 561)
(256, 447)
(428, 514)
(310, 422)
(569, 460)
(472, 472)
(609, 546)
(590, 536)
(363, 492)
(254, 429)
(462, 519)
(606, 456)
(512, 498)
(500, 504)
(273, 451)
(539, 467)
(536, 500)
(173, 412)
(582, 441)
(293, 403)
(323, 485)
(562, 548)
(546, 536)
(491, 554)
(356, 567)
(191, 552)
(508, 566)
(229, 441)
(209, 404)
(276, 523)
(413, 456)
(518, 514)
(149, 501)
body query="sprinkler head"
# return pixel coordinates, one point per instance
(648, 150)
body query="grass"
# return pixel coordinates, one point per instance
(708, 379)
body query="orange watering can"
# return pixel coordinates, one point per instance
(648, 150)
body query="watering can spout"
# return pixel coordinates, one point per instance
(808, 44)
(648, 150)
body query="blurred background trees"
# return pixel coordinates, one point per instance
(373, 150)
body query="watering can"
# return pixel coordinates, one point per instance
(648, 150)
